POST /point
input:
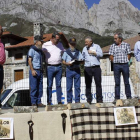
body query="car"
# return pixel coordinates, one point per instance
(18, 93)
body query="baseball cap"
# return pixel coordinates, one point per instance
(38, 38)
(72, 40)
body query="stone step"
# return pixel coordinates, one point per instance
(25, 109)
(78, 106)
(55, 107)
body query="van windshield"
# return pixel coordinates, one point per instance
(5, 93)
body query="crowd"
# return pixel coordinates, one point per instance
(56, 55)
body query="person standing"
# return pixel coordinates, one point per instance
(120, 54)
(91, 55)
(2, 61)
(53, 51)
(36, 72)
(137, 55)
(72, 58)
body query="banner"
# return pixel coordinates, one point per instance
(6, 128)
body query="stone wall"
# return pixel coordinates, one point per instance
(134, 77)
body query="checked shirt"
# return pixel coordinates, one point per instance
(120, 52)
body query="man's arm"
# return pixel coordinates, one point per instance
(111, 58)
(34, 73)
(128, 51)
(129, 56)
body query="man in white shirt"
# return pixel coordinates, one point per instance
(53, 50)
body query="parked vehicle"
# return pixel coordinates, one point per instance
(18, 93)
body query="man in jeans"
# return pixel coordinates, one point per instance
(72, 70)
(91, 55)
(120, 56)
(36, 72)
(137, 56)
(2, 61)
(53, 50)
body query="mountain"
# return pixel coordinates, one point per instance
(115, 16)
(104, 19)
(24, 28)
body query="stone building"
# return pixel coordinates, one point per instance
(107, 66)
(16, 48)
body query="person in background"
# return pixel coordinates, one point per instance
(120, 54)
(2, 61)
(36, 72)
(72, 58)
(91, 55)
(137, 55)
(53, 51)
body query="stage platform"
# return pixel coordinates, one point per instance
(83, 124)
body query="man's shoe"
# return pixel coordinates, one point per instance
(115, 100)
(48, 103)
(60, 103)
(33, 104)
(41, 105)
(69, 103)
(99, 101)
(89, 102)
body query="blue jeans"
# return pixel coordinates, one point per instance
(70, 76)
(1, 77)
(124, 69)
(51, 72)
(36, 87)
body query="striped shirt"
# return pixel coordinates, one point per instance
(120, 53)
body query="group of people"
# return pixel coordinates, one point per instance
(56, 55)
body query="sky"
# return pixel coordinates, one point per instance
(89, 3)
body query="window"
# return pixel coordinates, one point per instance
(18, 56)
(19, 98)
(18, 75)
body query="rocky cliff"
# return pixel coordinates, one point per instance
(66, 12)
(106, 18)
(115, 15)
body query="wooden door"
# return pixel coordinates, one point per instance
(18, 75)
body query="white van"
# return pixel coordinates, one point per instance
(18, 93)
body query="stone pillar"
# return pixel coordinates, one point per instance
(38, 29)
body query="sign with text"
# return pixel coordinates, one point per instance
(6, 128)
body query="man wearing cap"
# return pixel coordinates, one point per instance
(120, 54)
(36, 72)
(2, 61)
(53, 50)
(137, 55)
(91, 55)
(72, 58)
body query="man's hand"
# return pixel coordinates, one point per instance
(69, 63)
(34, 73)
(92, 52)
(111, 58)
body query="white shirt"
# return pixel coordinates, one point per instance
(53, 52)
